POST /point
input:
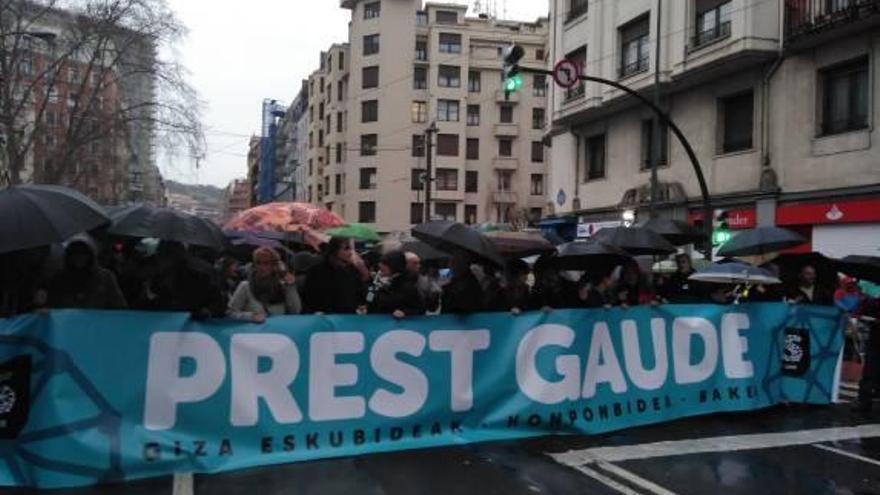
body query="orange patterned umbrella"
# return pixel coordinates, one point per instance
(286, 217)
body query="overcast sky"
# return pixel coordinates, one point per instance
(260, 49)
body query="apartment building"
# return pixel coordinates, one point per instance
(777, 98)
(408, 66)
(292, 148)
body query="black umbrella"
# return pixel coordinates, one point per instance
(637, 241)
(38, 215)
(761, 240)
(588, 254)
(861, 267)
(449, 236)
(168, 225)
(790, 266)
(678, 232)
(424, 251)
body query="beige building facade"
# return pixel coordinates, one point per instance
(777, 98)
(408, 66)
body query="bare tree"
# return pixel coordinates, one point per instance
(83, 85)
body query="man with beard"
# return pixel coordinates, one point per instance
(269, 290)
(82, 284)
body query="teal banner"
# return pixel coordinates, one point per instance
(92, 397)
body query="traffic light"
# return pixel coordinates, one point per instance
(721, 231)
(513, 80)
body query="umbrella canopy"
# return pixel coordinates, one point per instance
(861, 267)
(734, 273)
(294, 237)
(449, 236)
(587, 254)
(677, 232)
(636, 241)
(284, 217)
(356, 231)
(553, 237)
(520, 244)
(790, 266)
(168, 225)
(37, 215)
(424, 251)
(761, 240)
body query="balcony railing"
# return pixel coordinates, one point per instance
(805, 17)
(634, 67)
(575, 93)
(709, 36)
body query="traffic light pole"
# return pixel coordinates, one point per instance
(429, 168)
(664, 117)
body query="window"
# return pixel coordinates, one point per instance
(474, 83)
(737, 117)
(420, 78)
(648, 143)
(52, 95)
(635, 50)
(446, 179)
(320, 137)
(417, 179)
(416, 213)
(341, 61)
(368, 179)
(338, 121)
(422, 49)
(370, 77)
(505, 147)
(449, 76)
(473, 115)
(447, 144)
(539, 54)
(338, 188)
(539, 85)
(450, 43)
(321, 111)
(447, 17)
(579, 57)
(371, 44)
(338, 152)
(506, 114)
(595, 157)
(51, 118)
(369, 111)
(330, 61)
(537, 152)
(505, 180)
(538, 116)
(340, 91)
(422, 18)
(472, 151)
(577, 7)
(447, 110)
(445, 211)
(845, 97)
(418, 145)
(419, 112)
(321, 86)
(537, 185)
(367, 212)
(368, 144)
(471, 181)
(713, 21)
(329, 120)
(372, 10)
(470, 214)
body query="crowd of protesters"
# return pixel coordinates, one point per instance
(339, 281)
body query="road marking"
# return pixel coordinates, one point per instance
(634, 479)
(715, 444)
(183, 484)
(848, 454)
(605, 480)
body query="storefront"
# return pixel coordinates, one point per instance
(835, 229)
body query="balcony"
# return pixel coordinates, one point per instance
(709, 36)
(502, 97)
(636, 67)
(504, 197)
(574, 94)
(505, 163)
(507, 130)
(821, 19)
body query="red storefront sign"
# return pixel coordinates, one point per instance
(736, 219)
(841, 212)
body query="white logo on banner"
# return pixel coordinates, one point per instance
(7, 399)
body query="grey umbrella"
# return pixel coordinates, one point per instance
(678, 232)
(168, 225)
(734, 273)
(637, 241)
(39, 215)
(761, 240)
(450, 236)
(588, 254)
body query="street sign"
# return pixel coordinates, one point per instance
(566, 73)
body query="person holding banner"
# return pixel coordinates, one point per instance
(463, 294)
(870, 313)
(269, 290)
(395, 292)
(335, 285)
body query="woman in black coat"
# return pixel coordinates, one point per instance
(463, 294)
(334, 286)
(395, 292)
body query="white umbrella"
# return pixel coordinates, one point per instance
(734, 273)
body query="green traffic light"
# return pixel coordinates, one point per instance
(513, 83)
(720, 237)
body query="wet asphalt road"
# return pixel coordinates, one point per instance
(786, 450)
